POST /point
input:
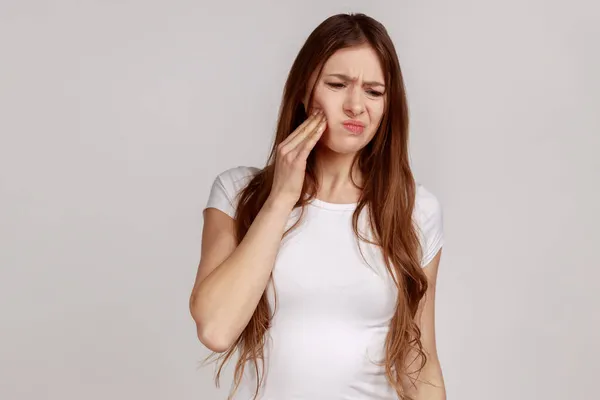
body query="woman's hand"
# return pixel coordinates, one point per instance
(290, 160)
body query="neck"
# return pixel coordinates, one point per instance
(335, 177)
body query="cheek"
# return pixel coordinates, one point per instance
(325, 100)
(375, 115)
(376, 112)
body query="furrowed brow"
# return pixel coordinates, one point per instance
(348, 78)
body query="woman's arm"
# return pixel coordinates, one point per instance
(430, 382)
(231, 279)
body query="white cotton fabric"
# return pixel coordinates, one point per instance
(333, 308)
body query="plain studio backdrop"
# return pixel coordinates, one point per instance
(116, 116)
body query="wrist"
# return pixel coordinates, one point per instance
(276, 204)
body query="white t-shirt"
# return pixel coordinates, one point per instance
(333, 309)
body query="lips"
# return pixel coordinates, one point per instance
(355, 127)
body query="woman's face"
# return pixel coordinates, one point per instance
(351, 92)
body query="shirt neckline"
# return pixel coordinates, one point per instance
(332, 206)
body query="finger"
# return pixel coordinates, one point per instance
(314, 115)
(310, 142)
(304, 125)
(308, 130)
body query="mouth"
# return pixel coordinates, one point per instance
(354, 127)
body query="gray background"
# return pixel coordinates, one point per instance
(117, 115)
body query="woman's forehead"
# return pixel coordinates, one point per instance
(358, 62)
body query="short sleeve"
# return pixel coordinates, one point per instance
(430, 221)
(226, 188)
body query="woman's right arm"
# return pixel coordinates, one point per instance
(231, 279)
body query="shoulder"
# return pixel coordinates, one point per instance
(427, 204)
(429, 218)
(226, 187)
(237, 177)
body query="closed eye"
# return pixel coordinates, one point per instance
(374, 93)
(337, 85)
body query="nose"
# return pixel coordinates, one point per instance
(354, 103)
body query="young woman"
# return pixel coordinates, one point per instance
(320, 268)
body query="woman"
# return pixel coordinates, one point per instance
(293, 270)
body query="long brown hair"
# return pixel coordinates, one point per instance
(388, 191)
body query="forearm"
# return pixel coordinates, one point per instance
(429, 384)
(228, 296)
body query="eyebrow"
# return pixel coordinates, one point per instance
(348, 78)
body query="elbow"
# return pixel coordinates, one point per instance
(212, 338)
(213, 341)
